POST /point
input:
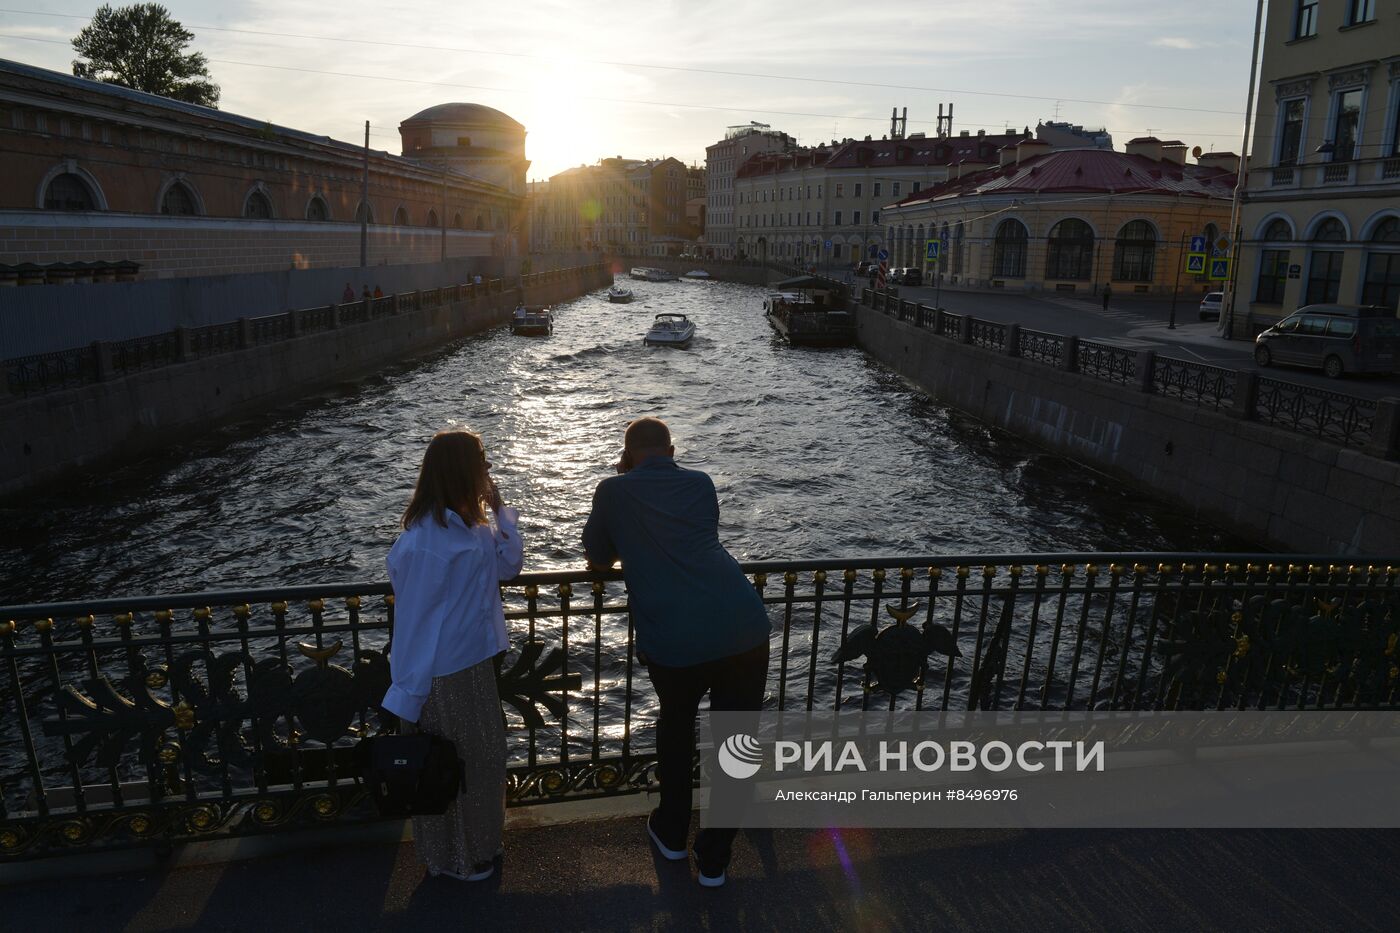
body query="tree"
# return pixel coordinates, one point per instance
(142, 48)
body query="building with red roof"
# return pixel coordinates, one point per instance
(1071, 220)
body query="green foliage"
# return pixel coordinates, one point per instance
(141, 47)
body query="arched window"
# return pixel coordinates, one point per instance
(457, 221)
(1382, 283)
(432, 218)
(317, 210)
(179, 201)
(1069, 253)
(364, 213)
(1273, 264)
(480, 222)
(1134, 251)
(258, 206)
(1325, 265)
(400, 217)
(68, 192)
(1009, 250)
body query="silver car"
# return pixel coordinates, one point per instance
(1338, 338)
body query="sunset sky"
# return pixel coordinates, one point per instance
(663, 78)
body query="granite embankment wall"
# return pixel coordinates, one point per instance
(1281, 488)
(46, 435)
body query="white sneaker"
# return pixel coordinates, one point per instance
(674, 855)
(711, 881)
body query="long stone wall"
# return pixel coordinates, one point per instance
(48, 435)
(1284, 489)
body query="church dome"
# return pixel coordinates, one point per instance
(464, 115)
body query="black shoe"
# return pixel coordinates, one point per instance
(674, 855)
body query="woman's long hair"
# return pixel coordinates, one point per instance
(453, 476)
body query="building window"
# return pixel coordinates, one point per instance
(855, 217)
(1361, 11)
(364, 213)
(1009, 250)
(894, 189)
(877, 189)
(874, 217)
(1133, 252)
(836, 218)
(857, 189)
(1273, 265)
(840, 190)
(457, 221)
(1290, 131)
(1069, 251)
(1348, 121)
(258, 206)
(316, 209)
(400, 217)
(1305, 22)
(432, 218)
(68, 192)
(1382, 283)
(1325, 267)
(915, 189)
(178, 201)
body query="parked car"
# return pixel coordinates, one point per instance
(909, 275)
(1338, 338)
(1210, 306)
(866, 266)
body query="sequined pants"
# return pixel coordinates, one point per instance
(465, 709)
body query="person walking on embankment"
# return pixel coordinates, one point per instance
(701, 626)
(449, 625)
(1107, 294)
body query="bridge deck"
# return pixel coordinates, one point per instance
(600, 874)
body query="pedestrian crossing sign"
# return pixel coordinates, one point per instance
(931, 248)
(1195, 263)
(1219, 270)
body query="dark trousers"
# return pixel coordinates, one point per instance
(734, 683)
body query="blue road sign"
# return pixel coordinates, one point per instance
(1219, 269)
(883, 255)
(828, 244)
(931, 249)
(1196, 263)
(1198, 244)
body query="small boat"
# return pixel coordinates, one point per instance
(670, 330)
(532, 321)
(649, 274)
(700, 274)
(619, 295)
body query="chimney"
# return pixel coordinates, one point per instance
(1229, 161)
(969, 166)
(1174, 151)
(1149, 147)
(1030, 148)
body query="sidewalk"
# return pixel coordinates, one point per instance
(602, 875)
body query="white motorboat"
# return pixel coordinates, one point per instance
(670, 330)
(620, 295)
(697, 274)
(650, 274)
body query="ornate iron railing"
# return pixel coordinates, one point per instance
(1345, 419)
(1105, 361)
(1198, 383)
(1041, 347)
(142, 353)
(45, 372)
(949, 325)
(989, 334)
(153, 719)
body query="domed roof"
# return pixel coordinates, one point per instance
(466, 114)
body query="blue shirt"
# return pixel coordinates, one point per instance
(690, 601)
(447, 602)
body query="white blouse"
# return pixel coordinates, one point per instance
(447, 602)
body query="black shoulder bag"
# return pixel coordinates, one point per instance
(410, 775)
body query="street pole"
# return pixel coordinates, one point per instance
(1176, 285)
(442, 221)
(1227, 314)
(364, 204)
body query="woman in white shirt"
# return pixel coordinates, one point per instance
(449, 625)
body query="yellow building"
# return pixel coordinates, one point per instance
(1070, 220)
(1321, 216)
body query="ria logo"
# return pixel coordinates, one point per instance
(740, 756)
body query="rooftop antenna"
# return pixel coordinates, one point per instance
(894, 123)
(1151, 131)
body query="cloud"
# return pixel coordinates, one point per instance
(1176, 42)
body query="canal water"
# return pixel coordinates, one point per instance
(814, 453)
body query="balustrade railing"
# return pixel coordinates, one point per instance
(129, 721)
(989, 334)
(47, 372)
(949, 325)
(1106, 361)
(1041, 347)
(1334, 416)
